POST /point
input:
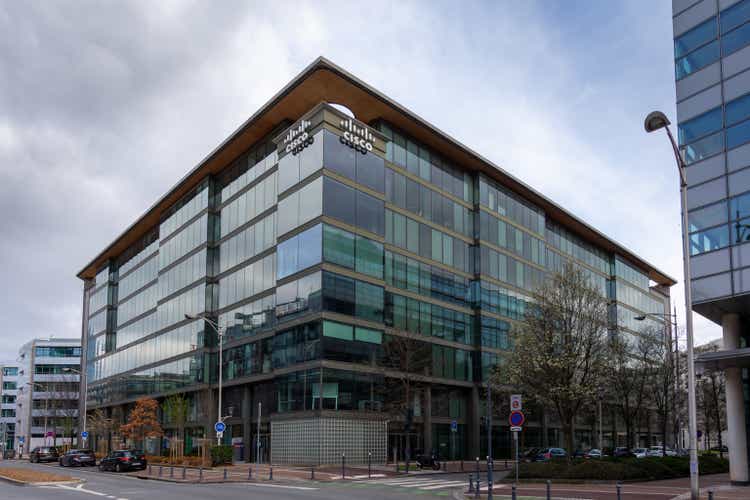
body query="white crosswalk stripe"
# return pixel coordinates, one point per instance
(421, 483)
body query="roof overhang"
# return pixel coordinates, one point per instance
(720, 360)
(323, 81)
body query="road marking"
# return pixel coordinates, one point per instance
(305, 488)
(451, 484)
(82, 489)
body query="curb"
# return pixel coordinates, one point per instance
(39, 483)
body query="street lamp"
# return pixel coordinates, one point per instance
(654, 121)
(81, 392)
(220, 333)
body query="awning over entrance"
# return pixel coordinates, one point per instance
(720, 360)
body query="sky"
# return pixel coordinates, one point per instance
(105, 105)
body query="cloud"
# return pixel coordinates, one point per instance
(104, 106)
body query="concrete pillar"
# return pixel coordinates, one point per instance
(427, 419)
(474, 427)
(247, 416)
(737, 442)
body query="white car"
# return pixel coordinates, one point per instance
(640, 452)
(658, 451)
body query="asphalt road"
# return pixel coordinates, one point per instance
(112, 486)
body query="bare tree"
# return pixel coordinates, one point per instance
(662, 387)
(406, 361)
(561, 349)
(100, 426)
(176, 409)
(711, 399)
(629, 377)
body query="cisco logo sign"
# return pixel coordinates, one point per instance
(297, 138)
(357, 137)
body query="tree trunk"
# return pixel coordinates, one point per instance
(567, 428)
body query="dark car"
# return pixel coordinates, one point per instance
(44, 454)
(550, 454)
(81, 458)
(123, 460)
(622, 452)
(425, 461)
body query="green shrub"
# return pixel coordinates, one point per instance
(221, 454)
(620, 469)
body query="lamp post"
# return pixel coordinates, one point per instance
(220, 333)
(81, 392)
(654, 121)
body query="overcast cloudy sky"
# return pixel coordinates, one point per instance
(104, 105)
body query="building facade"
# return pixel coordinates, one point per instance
(9, 373)
(48, 393)
(339, 241)
(712, 58)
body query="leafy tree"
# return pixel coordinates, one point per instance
(561, 349)
(143, 421)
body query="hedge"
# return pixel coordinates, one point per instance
(221, 454)
(621, 469)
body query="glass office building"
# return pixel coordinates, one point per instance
(712, 59)
(340, 241)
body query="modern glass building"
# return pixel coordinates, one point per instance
(712, 59)
(340, 241)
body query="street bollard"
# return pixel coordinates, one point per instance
(513, 492)
(549, 488)
(619, 491)
(710, 494)
(171, 471)
(249, 473)
(200, 474)
(343, 472)
(312, 473)
(471, 483)
(477, 467)
(369, 465)
(462, 465)
(150, 470)
(476, 488)
(161, 470)
(183, 471)
(225, 473)
(270, 473)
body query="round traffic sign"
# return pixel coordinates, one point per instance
(516, 418)
(220, 426)
(84, 434)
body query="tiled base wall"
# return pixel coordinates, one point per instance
(323, 440)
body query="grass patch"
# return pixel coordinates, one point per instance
(621, 469)
(32, 476)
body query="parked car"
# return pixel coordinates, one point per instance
(594, 453)
(550, 454)
(82, 458)
(658, 451)
(622, 452)
(529, 455)
(44, 454)
(123, 460)
(723, 448)
(425, 461)
(579, 454)
(641, 452)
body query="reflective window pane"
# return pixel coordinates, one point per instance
(700, 126)
(711, 239)
(697, 60)
(694, 38)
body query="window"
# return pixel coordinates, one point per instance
(10, 371)
(708, 217)
(9, 386)
(338, 330)
(739, 206)
(338, 294)
(338, 157)
(300, 207)
(703, 148)
(702, 125)
(299, 252)
(738, 135)
(735, 40)
(369, 302)
(338, 246)
(735, 15)
(371, 171)
(370, 213)
(7, 413)
(696, 60)
(369, 257)
(737, 110)
(711, 239)
(338, 201)
(8, 399)
(694, 38)
(58, 352)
